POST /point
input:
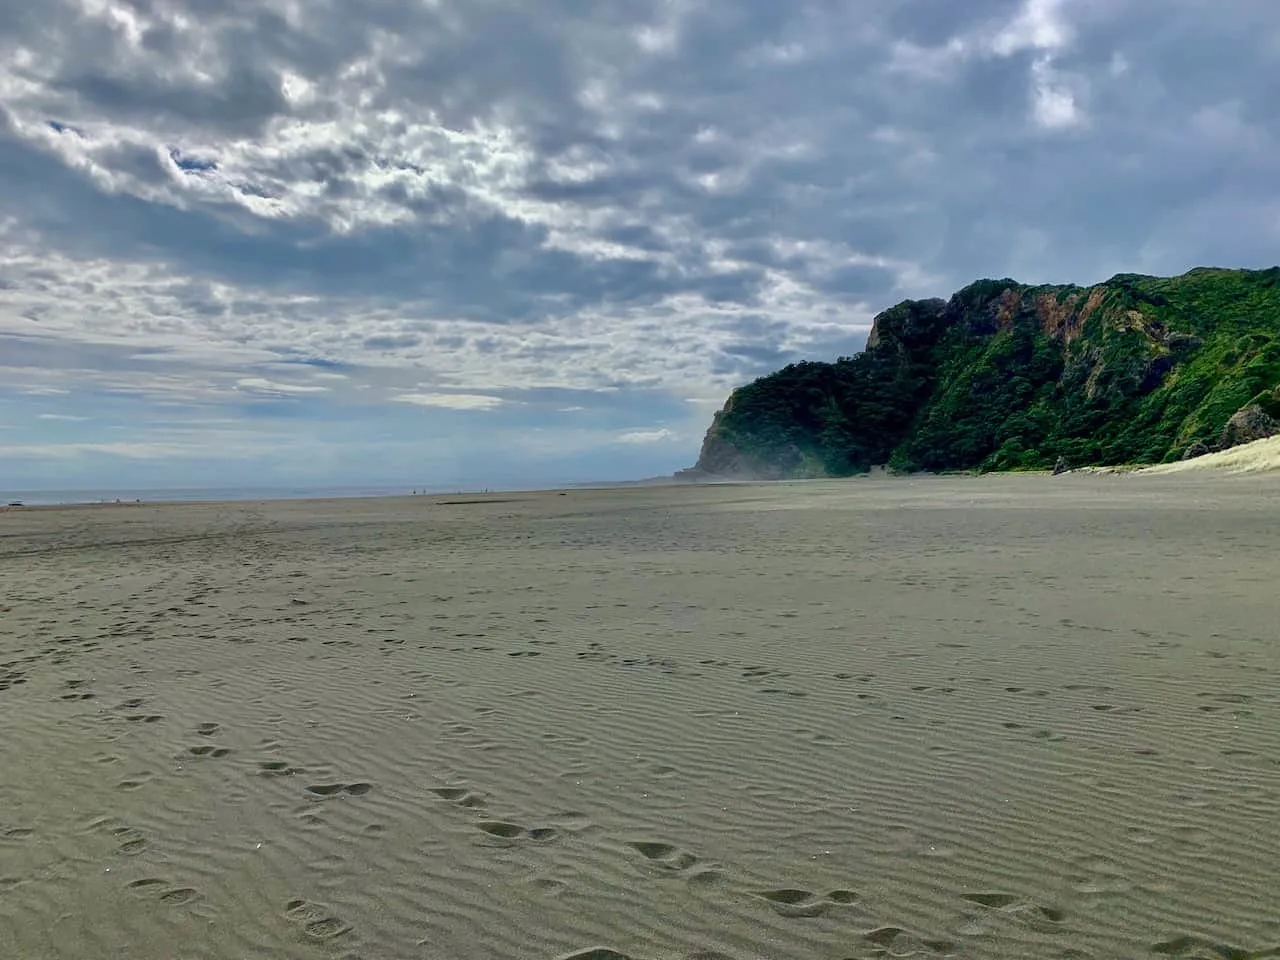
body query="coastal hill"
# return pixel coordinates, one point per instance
(1006, 376)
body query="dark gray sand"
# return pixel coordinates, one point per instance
(971, 717)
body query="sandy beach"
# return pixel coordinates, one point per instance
(1002, 717)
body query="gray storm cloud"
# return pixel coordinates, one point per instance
(622, 201)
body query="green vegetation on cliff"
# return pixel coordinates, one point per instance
(1006, 376)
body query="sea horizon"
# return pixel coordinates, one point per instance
(72, 496)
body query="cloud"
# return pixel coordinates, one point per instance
(451, 401)
(647, 436)
(123, 449)
(1054, 103)
(219, 206)
(67, 417)
(261, 385)
(1038, 25)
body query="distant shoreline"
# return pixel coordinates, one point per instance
(1256, 457)
(72, 499)
(32, 499)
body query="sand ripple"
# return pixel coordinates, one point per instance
(952, 718)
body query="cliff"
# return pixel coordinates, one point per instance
(1006, 376)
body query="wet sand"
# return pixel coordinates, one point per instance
(968, 717)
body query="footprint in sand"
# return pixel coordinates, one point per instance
(459, 795)
(505, 833)
(316, 921)
(132, 842)
(663, 855)
(1185, 945)
(500, 829)
(896, 942)
(276, 768)
(326, 790)
(1045, 918)
(1051, 914)
(159, 889)
(16, 835)
(205, 750)
(1048, 736)
(706, 880)
(883, 936)
(792, 902)
(177, 896)
(549, 886)
(1175, 946)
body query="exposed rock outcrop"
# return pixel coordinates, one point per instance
(1246, 425)
(1197, 449)
(1008, 376)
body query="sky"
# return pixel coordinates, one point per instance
(521, 242)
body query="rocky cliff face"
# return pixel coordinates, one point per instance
(723, 458)
(1009, 376)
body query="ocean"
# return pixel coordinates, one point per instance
(43, 498)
